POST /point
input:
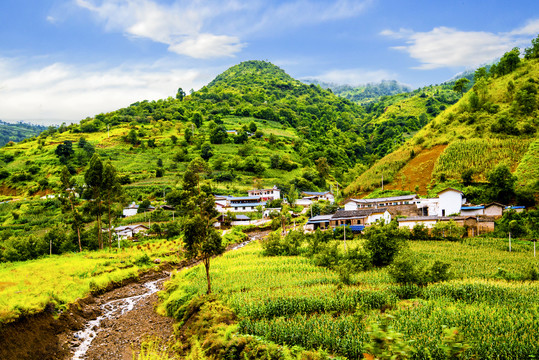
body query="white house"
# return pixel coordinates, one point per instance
(266, 194)
(450, 202)
(130, 210)
(314, 196)
(128, 231)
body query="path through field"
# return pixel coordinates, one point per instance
(127, 318)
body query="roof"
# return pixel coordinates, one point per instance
(239, 198)
(350, 214)
(248, 204)
(319, 219)
(477, 207)
(314, 193)
(391, 198)
(494, 204)
(515, 207)
(242, 217)
(129, 227)
(449, 189)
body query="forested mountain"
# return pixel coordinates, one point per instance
(286, 133)
(17, 132)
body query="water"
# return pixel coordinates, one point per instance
(111, 310)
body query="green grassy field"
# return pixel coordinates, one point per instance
(28, 287)
(288, 300)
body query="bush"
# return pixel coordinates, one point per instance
(407, 269)
(142, 260)
(384, 241)
(448, 230)
(420, 232)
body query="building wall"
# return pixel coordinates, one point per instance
(350, 205)
(450, 203)
(472, 212)
(129, 212)
(429, 224)
(494, 210)
(371, 219)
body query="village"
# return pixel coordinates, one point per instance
(408, 210)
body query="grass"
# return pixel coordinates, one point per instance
(290, 301)
(28, 287)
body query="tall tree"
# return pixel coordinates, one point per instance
(112, 191)
(67, 197)
(94, 180)
(201, 239)
(460, 85)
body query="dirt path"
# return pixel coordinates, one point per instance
(119, 336)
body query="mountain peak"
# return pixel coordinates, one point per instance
(252, 71)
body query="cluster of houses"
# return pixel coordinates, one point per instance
(410, 210)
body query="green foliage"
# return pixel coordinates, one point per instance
(408, 269)
(448, 230)
(386, 343)
(18, 132)
(384, 241)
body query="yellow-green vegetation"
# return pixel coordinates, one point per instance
(481, 155)
(288, 300)
(528, 169)
(494, 122)
(387, 168)
(28, 287)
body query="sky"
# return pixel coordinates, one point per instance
(65, 60)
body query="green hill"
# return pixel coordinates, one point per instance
(286, 133)
(495, 122)
(17, 132)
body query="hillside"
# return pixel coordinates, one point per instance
(280, 132)
(17, 132)
(364, 94)
(282, 129)
(494, 123)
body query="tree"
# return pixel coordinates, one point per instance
(252, 127)
(533, 51)
(460, 85)
(112, 191)
(322, 166)
(501, 183)
(67, 197)
(206, 151)
(174, 139)
(64, 151)
(218, 134)
(180, 94)
(188, 135)
(292, 195)
(197, 119)
(200, 237)
(94, 180)
(384, 241)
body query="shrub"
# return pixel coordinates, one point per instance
(384, 241)
(407, 269)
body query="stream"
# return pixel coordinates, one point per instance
(111, 310)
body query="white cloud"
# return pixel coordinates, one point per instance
(213, 28)
(178, 25)
(354, 77)
(449, 47)
(531, 28)
(61, 92)
(204, 46)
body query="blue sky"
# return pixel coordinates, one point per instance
(64, 60)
